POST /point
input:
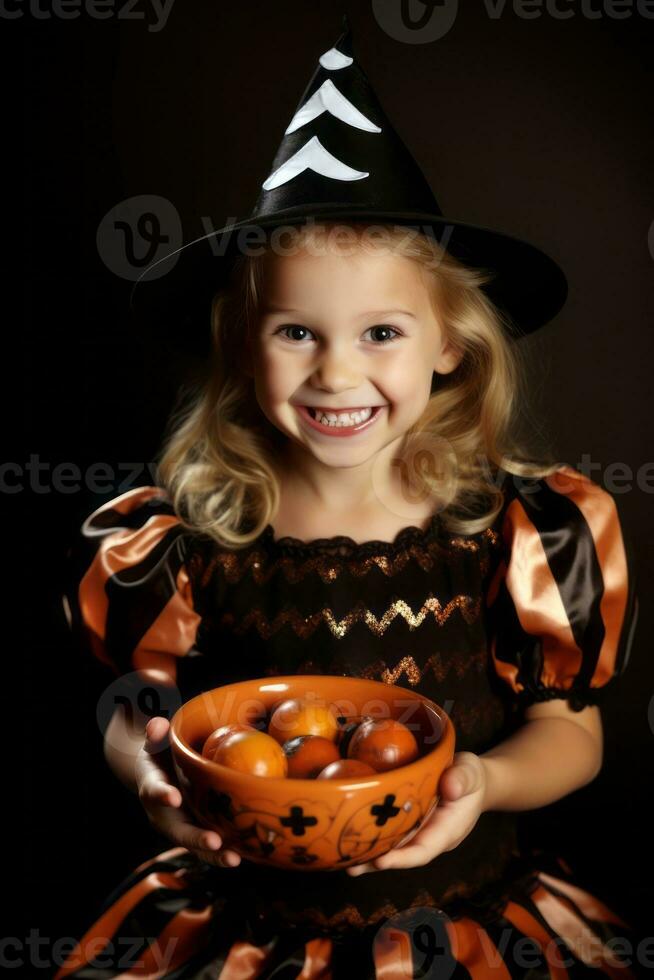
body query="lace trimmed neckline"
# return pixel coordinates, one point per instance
(343, 544)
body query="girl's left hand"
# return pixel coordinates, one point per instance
(462, 788)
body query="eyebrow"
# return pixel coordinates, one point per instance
(271, 308)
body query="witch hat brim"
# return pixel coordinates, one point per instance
(341, 160)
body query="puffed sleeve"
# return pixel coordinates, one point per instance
(134, 599)
(562, 604)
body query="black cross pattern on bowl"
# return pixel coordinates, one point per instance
(220, 804)
(300, 855)
(384, 811)
(297, 821)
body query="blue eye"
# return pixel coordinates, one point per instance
(388, 340)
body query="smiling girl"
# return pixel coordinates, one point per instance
(344, 493)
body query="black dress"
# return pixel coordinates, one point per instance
(541, 605)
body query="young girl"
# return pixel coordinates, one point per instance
(414, 543)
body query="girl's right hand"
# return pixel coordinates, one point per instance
(162, 800)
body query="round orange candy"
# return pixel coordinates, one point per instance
(216, 737)
(347, 725)
(346, 769)
(296, 716)
(253, 752)
(307, 755)
(384, 744)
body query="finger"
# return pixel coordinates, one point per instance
(185, 833)
(440, 834)
(360, 869)
(410, 856)
(159, 792)
(223, 859)
(156, 734)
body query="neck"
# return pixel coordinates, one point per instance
(345, 490)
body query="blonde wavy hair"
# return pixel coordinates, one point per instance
(217, 461)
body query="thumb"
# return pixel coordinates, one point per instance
(156, 734)
(459, 780)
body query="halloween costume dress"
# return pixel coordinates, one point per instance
(540, 605)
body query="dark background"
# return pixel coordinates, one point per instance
(540, 127)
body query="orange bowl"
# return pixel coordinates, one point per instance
(310, 824)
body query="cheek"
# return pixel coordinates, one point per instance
(276, 378)
(407, 381)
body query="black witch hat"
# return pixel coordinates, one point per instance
(340, 158)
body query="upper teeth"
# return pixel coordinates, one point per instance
(343, 418)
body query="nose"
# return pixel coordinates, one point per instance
(337, 369)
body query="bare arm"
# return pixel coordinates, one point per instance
(555, 752)
(122, 742)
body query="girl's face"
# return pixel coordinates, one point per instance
(345, 332)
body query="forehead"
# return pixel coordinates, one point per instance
(304, 276)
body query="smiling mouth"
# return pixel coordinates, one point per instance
(362, 419)
(341, 417)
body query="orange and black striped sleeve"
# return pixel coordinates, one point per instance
(562, 604)
(134, 599)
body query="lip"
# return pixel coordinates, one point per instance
(341, 431)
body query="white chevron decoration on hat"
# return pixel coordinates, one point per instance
(329, 99)
(312, 156)
(334, 59)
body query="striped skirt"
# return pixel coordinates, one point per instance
(167, 919)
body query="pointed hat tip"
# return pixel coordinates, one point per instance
(344, 42)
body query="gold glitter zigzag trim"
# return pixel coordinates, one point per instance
(437, 664)
(329, 567)
(305, 626)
